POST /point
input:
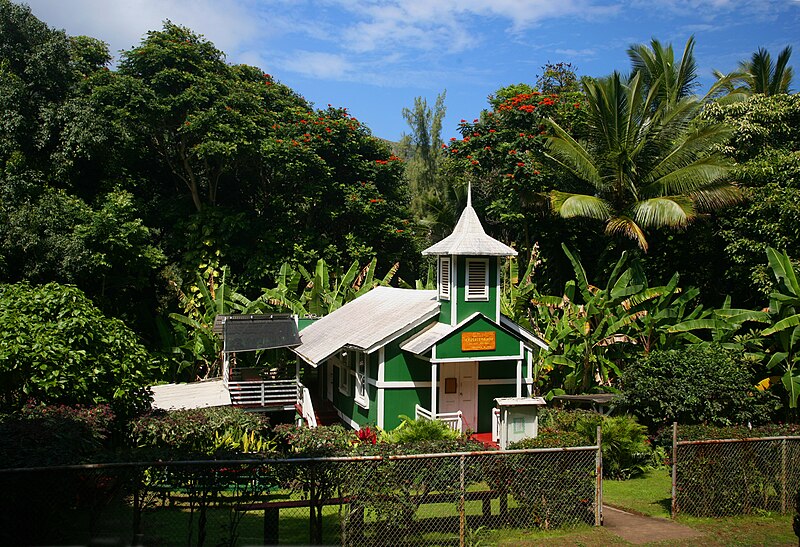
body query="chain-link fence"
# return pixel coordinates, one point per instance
(441, 499)
(717, 478)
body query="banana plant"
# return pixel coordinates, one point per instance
(322, 292)
(784, 333)
(209, 296)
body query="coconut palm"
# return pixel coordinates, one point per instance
(656, 63)
(645, 164)
(760, 75)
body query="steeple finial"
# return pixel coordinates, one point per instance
(469, 194)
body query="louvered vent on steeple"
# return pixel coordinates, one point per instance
(444, 278)
(477, 279)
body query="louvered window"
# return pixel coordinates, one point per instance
(477, 279)
(444, 278)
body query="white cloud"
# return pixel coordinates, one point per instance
(227, 23)
(317, 64)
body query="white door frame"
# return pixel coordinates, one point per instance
(460, 371)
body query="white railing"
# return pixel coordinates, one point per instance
(496, 425)
(266, 393)
(453, 420)
(306, 406)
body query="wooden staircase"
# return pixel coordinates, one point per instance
(325, 413)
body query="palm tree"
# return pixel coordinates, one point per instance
(760, 76)
(645, 163)
(656, 63)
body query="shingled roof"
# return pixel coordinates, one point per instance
(367, 322)
(469, 238)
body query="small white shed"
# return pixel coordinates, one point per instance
(519, 418)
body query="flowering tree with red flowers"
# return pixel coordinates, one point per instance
(502, 154)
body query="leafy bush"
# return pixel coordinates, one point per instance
(697, 384)
(626, 448)
(320, 442)
(627, 451)
(58, 348)
(414, 431)
(41, 435)
(204, 431)
(551, 438)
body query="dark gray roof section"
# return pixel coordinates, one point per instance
(246, 332)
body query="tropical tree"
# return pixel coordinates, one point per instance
(659, 70)
(759, 75)
(645, 165)
(422, 150)
(324, 291)
(592, 331)
(784, 310)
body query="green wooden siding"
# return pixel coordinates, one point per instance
(506, 344)
(486, 397)
(347, 405)
(497, 370)
(403, 401)
(400, 366)
(466, 308)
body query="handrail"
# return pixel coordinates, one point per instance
(308, 409)
(454, 420)
(496, 425)
(263, 392)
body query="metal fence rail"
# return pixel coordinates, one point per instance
(716, 478)
(440, 498)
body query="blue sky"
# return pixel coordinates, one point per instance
(375, 56)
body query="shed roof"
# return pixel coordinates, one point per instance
(367, 322)
(469, 238)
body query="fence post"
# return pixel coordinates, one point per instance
(598, 488)
(461, 516)
(674, 508)
(783, 476)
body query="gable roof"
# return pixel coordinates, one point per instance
(367, 322)
(469, 238)
(424, 340)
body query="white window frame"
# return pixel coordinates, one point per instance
(444, 284)
(483, 296)
(344, 374)
(361, 373)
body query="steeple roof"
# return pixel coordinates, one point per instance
(469, 238)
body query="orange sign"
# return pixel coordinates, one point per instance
(478, 341)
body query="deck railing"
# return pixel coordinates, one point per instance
(454, 420)
(265, 393)
(306, 405)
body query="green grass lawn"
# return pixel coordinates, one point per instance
(648, 495)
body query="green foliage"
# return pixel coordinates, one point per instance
(415, 431)
(550, 438)
(319, 442)
(60, 349)
(39, 435)
(626, 448)
(695, 384)
(591, 331)
(643, 165)
(326, 290)
(765, 146)
(200, 432)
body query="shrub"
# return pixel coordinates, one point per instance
(697, 384)
(198, 432)
(58, 348)
(414, 431)
(40, 435)
(551, 438)
(626, 448)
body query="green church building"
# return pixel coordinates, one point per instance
(444, 354)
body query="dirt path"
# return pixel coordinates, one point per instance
(637, 529)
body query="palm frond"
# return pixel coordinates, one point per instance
(627, 227)
(579, 205)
